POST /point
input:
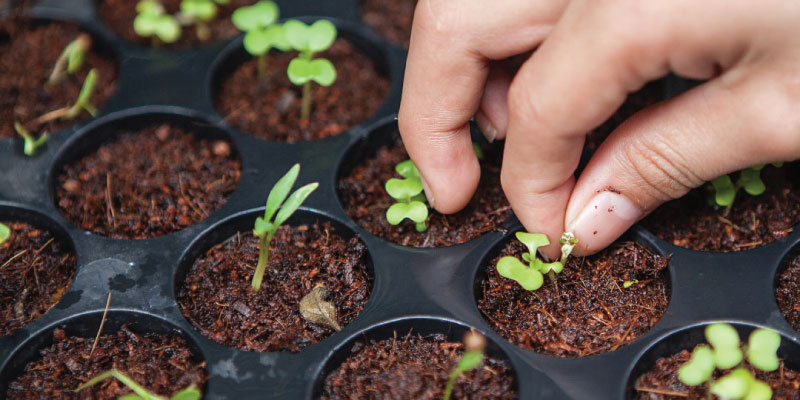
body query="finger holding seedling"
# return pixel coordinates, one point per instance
(310, 40)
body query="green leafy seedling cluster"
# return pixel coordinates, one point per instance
(200, 13)
(474, 344)
(139, 392)
(153, 21)
(5, 232)
(726, 352)
(261, 32)
(725, 189)
(71, 59)
(30, 143)
(266, 227)
(531, 275)
(408, 192)
(310, 40)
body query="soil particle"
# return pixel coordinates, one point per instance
(391, 18)
(787, 293)
(146, 184)
(217, 299)
(269, 107)
(586, 310)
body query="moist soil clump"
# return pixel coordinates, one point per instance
(753, 221)
(364, 198)
(119, 15)
(391, 18)
(217, 299)
(35, 271)
(415, 367)
(662, 383)
(788, 294)
(269, 107)
(162, 364)
(586, 310)
(29, 52)
(147, 183)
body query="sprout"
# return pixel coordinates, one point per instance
(152, 21)
(531, 277)
(261, 32)
(84, 102)
(304, 69)
(266, 227)
(749, 179)
(5, 232)
(139, 392)
(474, 343)
(200, 12)
(31, 144)
(411, 201)
(71, 59)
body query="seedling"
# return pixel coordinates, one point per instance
(411, 201)
(310, 40)
(531, 276)
(266, 227)
(84, 102)
(474, 343)
(5, 232)
(727, 352)
(31, 144)
(749, 179)
(152, 21)
(71, 59)
(199, 13)
(261, 32)
(139, 392)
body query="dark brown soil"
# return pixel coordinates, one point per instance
(788, 294)
(217, 299)
(661, 382)
(269, 107)
(146, 184)
(29, 51)
(161, 363)
(35, 271)
(391, 18)
(753, 221)
(586, 311)
(364, 197)
(118, 15)
(415, 367)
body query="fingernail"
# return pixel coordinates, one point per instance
(428, 193)
(489, 131)
(607, 216)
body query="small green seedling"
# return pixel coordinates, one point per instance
(152, 21)
(71, 59)
(5, 232)
(531, 276)
(200, 13)
(310, 40)
(84, 102)
(474, 344)
(726, 352)
(411, 201)
(725, 189)
(31, 143)
(266, 227)
(139, 392)
(261, 32)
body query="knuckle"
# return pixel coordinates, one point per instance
(660, 171)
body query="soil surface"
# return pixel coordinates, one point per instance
(118, 15)
(390, 18)
(269, 107)
(661, 382)
(587, 310)
(161, 363)
(29, 52)
(146, 184)
(788, 293)
(364, 197)
(217, 299)
(35, 271)
(415, 367)
(753, 221)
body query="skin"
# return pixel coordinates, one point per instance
(590, 54)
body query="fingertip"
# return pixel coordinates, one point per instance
(604, 218)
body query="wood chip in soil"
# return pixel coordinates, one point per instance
(661, 382)
(35, 271)
(269, 107)
(586, 310)
(753, 221)
(392, 19)
(161, 363)
(30, 50)
(787, 293)
(365, 200)
(147, 183)
(217, 299)
(415, 367)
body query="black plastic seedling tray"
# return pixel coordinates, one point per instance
(429, 290)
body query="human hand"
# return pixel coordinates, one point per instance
(590, 55)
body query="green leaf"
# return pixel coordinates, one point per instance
(84, 97)
(527, 257)
(758, 391)
(151, 7)
(568, 242)
(407, 169)
(318, 70)
(471, 359)
(725, 341)
(167, 29)
(293, 202)
(403, 189)
(545, 268)
(261, 227)
(256, 42)
(280, 191)
(724, 190)
(145, 24)
(761, 349)
(777, 164)
(131, 396)
(76, 58)
(190, 393)
(317, 37)
(5, 232)
(533, 241)
(512, 268)
(415, 211)
(203, 10)
(259, 15)
(699, 368)
(476, 148)
(750, 180)
(735, 385)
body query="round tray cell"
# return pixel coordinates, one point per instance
(587, 310)
(412, 358)
(58, 359)
(37, 266)
(391, 19)
(144, 176)
(654, 375)
(310, 255)
(369, 163)
(269, 107)
(787, 290)
(30, 49)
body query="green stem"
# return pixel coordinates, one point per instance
(552, 275)
(448, 390)
(263, 62)
(263, 259)
(305, 111)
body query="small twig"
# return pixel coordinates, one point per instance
(661, 391)
(102, 322)
(109, 204)
(12, 258)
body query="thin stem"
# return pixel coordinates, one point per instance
(263, 259)
(154, 42)
(448, 390)
(263, 62)
(305, 111)
(203, 31)
(552, 275)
